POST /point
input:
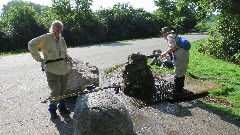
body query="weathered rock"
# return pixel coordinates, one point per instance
(100, 113)
(80, 75)
(138, 78)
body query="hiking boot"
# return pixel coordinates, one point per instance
(53, 114)
(62, 107)
(64, 110)
(52, 109)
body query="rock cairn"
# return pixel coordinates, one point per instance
(138, 80)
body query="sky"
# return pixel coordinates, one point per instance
(148, 5)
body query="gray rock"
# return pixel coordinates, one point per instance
(80, 75)
(100, 113)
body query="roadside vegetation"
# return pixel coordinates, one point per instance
(203, 67)
(112, 69)
(20, 51)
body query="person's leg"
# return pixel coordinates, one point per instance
(62, 103)
(184, 67)
(64, 81)
(181, 59)
(177, 85)
(182, 80)
(54, 85)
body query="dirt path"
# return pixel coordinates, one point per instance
(23, 86)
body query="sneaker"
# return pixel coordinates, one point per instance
(64, 110)
(53, 114)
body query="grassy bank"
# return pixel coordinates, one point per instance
(227, 98)
(220, 72)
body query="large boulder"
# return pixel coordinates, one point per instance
(80, 75)
(100, 113)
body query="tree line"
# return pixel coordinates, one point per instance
(21, 21)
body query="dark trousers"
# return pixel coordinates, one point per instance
(178, 84)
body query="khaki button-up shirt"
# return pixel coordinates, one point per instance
(52, 49)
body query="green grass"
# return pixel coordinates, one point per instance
(220, 72)
(110, 70)
(21, 51)
(217, 71)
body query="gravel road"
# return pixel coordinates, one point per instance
(23, 86)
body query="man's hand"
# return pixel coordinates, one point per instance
(41, 60)
(164, 54)
(69, 60)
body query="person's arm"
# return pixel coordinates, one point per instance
(172, 45)
(33, 47)
(68, 58)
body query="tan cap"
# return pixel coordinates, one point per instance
(165, 30)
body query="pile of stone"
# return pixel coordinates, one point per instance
(138, 80)
(80, 75)
(156, 58)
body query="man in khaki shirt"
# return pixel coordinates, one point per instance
(56, 64)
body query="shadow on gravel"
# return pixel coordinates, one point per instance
(65, 124)
(175, 109)
(221, 115)
(178, 110)
(173, 106)
(71, 102)
(65, 127)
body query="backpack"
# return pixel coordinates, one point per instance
(185, 44)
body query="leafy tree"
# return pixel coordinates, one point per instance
(87, 22)
(4, 42)
(177, 15)
(80, 23)
(122, 21)
(19, 23)
(37, 7)
(166, 11)
(224, 41)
